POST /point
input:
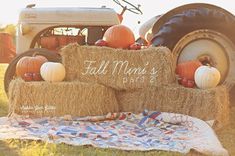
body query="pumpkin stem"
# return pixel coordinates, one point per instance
(206, 60)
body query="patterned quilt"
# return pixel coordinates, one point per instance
(125, 131)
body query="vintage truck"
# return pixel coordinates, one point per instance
(193, 31)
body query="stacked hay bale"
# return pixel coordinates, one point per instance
(163, 94)
(101, 80)
(209, 104)
(39, 99)
(118, 68)
(93, 76)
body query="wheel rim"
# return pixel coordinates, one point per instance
(210, 47)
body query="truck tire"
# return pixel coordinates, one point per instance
(10, 72)
(207, 21)
(181, 24)
(190, 20)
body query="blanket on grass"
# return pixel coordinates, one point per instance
(125, 131)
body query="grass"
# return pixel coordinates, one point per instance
(36, 148)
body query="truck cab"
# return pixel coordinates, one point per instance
(52, 28)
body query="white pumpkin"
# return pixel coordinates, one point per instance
(207, 77)
(52, 71)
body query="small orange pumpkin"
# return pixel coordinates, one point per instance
(29, 64)
(187, 69)
(49, 42)
(62, 40)
(119, 36)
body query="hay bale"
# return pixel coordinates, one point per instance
(118, 68)
(39, 99)
(211, 104)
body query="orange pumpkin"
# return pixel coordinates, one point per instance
(29, 64)
(66, 39)
(119, 36)
(49, 42)
(187, 69)
(62, 40)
